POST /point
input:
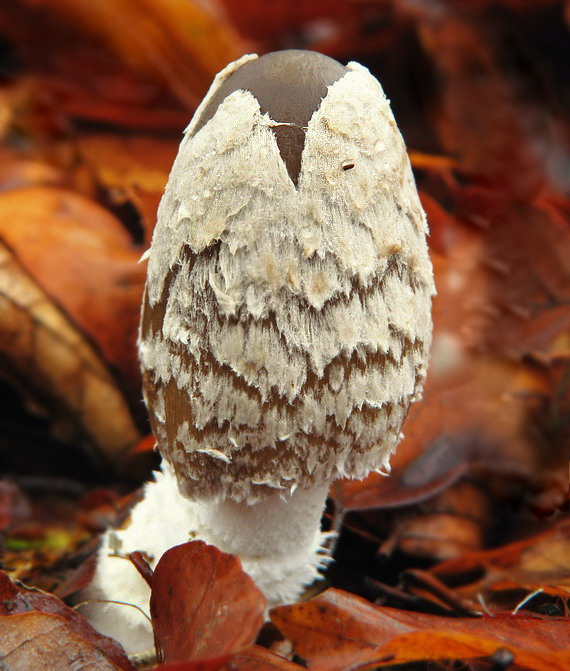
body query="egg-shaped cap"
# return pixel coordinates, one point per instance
(285, 331)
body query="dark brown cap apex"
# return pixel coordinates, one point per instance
(289, 86)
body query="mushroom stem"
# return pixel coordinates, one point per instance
(278, 540)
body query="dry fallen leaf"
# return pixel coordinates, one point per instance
(447, 525)
(337, 630)
(416, 474)
(83, 258)
(18, 600)
(203, 604)
(58, 369)
(45, 642)
(541, 562)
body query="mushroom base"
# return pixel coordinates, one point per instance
(278, 541)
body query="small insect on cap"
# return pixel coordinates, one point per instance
(289, 86)
(287, 314)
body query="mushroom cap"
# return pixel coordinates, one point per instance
(286, 322)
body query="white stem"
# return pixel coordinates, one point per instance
(278, 540)
(273, 527)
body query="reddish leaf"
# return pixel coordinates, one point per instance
(337, 630)
(142, 566)
(79, 578)
(45, 642)
(203, 604)
(17, 599)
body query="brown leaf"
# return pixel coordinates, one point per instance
(540, 562)
(447, 525)
(337, 631)
(18, 599)
(45, 642)
(203, 604)
(82, 257)
(58, 368)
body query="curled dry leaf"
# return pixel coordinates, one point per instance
(40, 346)
(203, 604)
(16, 600)
(45, 642)
(338, 631)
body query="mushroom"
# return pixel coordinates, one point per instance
(285, 328)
